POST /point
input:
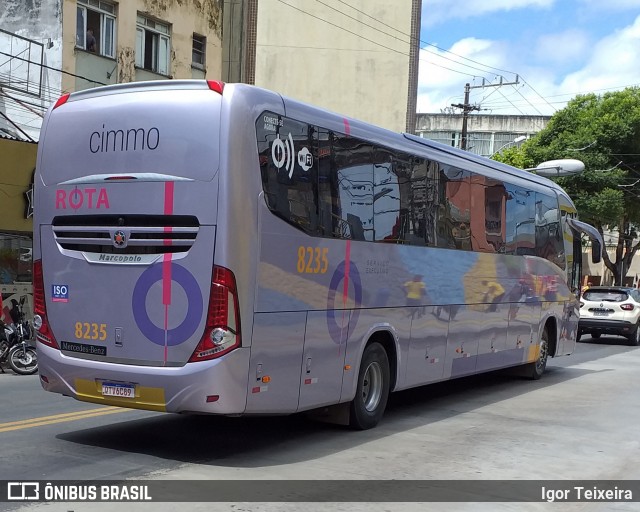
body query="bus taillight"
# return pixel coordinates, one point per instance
(216, 85)
(61, 100)
(222, 332)
(40, 322)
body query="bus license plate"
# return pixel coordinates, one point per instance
(119, 390)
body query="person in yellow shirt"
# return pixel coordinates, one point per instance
(415, 292)
(493, 294)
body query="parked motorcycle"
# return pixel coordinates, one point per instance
(16, 346)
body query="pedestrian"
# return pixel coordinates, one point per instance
(91, 41)
(493, 294)
(415, 292)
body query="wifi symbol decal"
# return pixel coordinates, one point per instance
(282, 153)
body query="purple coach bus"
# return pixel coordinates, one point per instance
(217, 248)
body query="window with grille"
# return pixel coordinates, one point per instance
(198, 56)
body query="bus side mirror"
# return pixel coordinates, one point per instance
(596, 251)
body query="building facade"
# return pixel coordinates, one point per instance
(48, 47)
(486, 134)
(136, 40)
(357, 58)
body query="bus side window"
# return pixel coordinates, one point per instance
(549, 241)
(520, 216)
(328, 222)
(455, 222)
(353, 166)
(289, 176)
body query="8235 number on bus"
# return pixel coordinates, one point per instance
(90, 331)
(313, 260)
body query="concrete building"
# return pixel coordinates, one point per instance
(357, 58)
(48, 47)
(52, 46)
(486, 134)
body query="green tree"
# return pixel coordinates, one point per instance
(604, 132)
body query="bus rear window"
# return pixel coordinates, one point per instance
(145, 131)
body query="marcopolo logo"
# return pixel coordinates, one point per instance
(120, 258)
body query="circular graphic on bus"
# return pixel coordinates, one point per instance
(185, 330)
(338, 332)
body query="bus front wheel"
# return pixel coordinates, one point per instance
(372, 389)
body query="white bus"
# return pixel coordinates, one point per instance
(220, 249)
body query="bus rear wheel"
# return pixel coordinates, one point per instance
(372, 390)
(535, 369)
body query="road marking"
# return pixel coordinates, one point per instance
(59, 418)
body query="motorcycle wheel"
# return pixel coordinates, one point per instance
(23, 362)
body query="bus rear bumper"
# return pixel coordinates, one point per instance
(218, 386)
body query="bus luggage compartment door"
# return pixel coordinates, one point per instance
(274, 371)
(322, 363)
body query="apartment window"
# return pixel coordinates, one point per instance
(153, 45)
(96, 27)
(198, 51)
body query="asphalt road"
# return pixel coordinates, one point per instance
(577, 422)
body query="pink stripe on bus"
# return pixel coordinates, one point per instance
(347, 127)
(166, 263)
(345, 291)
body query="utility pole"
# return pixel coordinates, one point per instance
(466, 107)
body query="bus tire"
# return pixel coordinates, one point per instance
(535, 369)
(372, 391)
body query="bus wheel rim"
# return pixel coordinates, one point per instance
(372, 386)
(542, 359)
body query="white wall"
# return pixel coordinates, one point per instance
(336, 62)
(39, 21)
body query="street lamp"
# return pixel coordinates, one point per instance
(514, 141)
(558, 168)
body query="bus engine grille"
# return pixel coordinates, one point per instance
(143, 234)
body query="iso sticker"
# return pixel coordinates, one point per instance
(60, 293)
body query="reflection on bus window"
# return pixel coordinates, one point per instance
(455, 222)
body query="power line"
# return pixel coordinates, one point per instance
(539, 95)
(365, 38)
(409, 42)
(55, 69)
(390, 35)
(511, 103)
(427, 43)
(516, 89)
